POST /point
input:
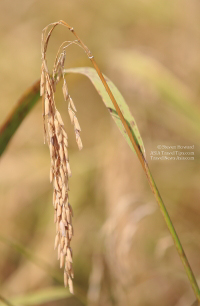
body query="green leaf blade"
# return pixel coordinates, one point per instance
(18, 114)
(94, 78)
(40, 297)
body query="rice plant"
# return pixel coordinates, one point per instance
(56, 137)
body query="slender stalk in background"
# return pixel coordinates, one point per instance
(146, 169)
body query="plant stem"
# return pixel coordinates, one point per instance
(19, 112)
(145, 166)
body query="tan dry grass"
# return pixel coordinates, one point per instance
(56, 137)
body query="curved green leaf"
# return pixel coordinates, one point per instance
(94, 78)
(22, 108)
(40, 297)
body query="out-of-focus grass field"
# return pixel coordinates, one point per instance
(123, 254)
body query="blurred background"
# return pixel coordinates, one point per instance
(123, 254)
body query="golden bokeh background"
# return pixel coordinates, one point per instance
(123, 254)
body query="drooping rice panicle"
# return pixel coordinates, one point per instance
(57, 140)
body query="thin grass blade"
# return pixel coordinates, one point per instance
(172, 90)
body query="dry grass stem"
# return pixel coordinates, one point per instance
(56, 137)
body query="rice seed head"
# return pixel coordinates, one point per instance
(57, 140)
